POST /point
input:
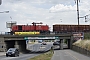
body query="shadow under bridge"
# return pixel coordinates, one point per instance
(20, 44)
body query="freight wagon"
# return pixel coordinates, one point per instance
(70, 28)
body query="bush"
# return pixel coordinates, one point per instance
(83, 44)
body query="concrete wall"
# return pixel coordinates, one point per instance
(81, 50)
(68, 45)
(2, 44)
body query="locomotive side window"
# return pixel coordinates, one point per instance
(19, 27)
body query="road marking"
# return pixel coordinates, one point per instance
(8, 58)
(72, 55)
(42, 47)
(66, 55)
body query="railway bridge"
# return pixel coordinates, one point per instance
(19, 41)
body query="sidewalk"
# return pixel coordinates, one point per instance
(53, 57)
(2, 53)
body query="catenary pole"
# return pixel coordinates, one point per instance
(77, 2)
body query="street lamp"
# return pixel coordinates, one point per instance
(60, 20)
(86, 18)
(5, 12)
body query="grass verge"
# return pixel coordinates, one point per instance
(44, 56)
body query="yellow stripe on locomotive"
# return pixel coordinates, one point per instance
(26, 33)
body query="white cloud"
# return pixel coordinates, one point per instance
(62, 8)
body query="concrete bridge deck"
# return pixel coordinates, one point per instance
(18, 41)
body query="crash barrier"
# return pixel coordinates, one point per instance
(81, 50)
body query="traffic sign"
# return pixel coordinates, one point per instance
(56, 37)
(26, 38)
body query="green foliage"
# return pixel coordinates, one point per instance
(87, 35)
(45, 56)
(83, 44)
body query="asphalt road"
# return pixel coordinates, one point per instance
(68, 55)
(39, 47)
(34, 47)
(21, 57)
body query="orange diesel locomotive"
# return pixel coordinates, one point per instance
(43, 29)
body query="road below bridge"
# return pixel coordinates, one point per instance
(35, 48)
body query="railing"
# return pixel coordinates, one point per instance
(4, 33)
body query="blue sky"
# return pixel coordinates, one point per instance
(48, 12)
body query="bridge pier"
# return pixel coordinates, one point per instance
(21, 45)
(16, 44)
(61, 44)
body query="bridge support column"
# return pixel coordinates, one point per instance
(71, 42)
(16, 45)
(61, 44)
